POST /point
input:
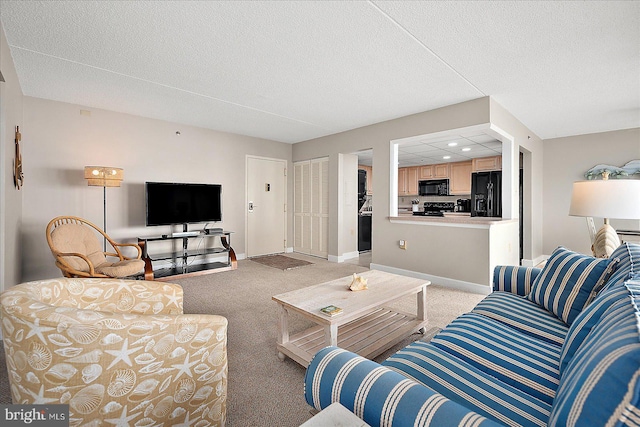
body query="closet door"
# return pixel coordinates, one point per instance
(302, 208)
(319, 207)
(311, 207)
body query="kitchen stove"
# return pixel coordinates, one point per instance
(436, 208)
(439, 206)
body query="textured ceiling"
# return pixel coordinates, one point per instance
(292, 71)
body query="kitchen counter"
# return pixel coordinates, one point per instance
(450, 219)
(435, 247)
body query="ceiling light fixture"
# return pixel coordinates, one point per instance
(452, 144)
(466, 149)
(446, 157)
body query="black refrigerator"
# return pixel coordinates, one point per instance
(362, 188)
(364, 219)
(486, 194)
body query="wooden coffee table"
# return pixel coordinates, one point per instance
(365, 326)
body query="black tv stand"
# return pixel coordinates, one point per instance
(181, 267)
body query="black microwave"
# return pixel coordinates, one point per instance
(433, 187)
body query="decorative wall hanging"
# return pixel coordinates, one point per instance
(18, 176)
(631, 168)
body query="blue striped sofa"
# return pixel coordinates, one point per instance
(557, 346)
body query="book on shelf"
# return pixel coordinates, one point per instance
(331, 310)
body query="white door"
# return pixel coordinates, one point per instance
(266, 206)
(311, 207)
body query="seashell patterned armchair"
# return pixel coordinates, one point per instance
(116, 351)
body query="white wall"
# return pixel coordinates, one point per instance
(565, 161)
(432, 250)
(531, 146)
(347, 236)
(60, 142)
(11, 100)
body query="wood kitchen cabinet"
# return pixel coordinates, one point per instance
(425, 172)
(460, 178)
(408, 181)
(440, 171)
(493, 163)
(412, 181)
(402, 182)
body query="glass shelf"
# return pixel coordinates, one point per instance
(186, 267)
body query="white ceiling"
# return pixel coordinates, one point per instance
(445, 149)
(448, 150)
(292, 71)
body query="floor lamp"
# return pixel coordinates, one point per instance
(606, 198)
(103, 176)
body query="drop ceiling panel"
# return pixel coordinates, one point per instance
(481, 138)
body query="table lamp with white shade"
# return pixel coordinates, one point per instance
(606, 198)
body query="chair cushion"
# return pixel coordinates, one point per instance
(527, 363)
(124, 268)
(524, 315)
(80, 239)
(466, 384)
(600, 383)
(569, 281)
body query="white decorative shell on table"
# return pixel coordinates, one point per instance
(358, 283)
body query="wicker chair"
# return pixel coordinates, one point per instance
(116, 351)
(78, 253)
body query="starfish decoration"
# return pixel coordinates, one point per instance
(187, 422)
(173, 299)
(184, 368)
(122, 284)
(123, 420)
(122, 354)
(39, 399)
(36, 329)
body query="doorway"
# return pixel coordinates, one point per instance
(266, 206)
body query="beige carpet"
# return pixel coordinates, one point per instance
(282, 262)
(262, 390)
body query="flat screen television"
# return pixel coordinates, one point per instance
(170, 203)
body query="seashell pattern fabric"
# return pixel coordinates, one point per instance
(118, 352)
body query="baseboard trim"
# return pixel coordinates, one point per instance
(443, 281)
(344, 257)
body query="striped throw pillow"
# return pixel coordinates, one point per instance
(569, 282)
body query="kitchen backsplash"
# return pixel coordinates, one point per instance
(405, 201)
